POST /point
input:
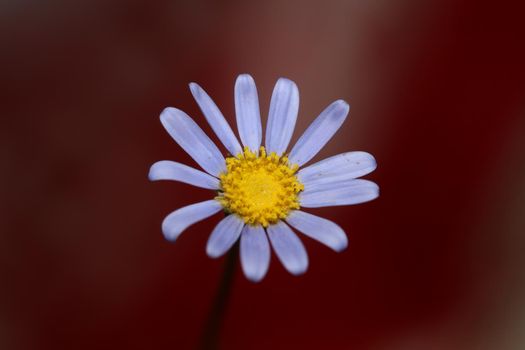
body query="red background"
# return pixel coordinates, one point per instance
(437, 93)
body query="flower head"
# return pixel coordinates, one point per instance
(262, 188)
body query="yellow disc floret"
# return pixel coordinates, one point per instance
(261, 189)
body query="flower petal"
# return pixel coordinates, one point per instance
(193, 140)
(255, 253)
(320, 229)
(216, 120)
(247, 112)
(282, 117)
(339, 193)
(288, 247)
(224, 235)
(168, 170)
(342, 167)
(319, 132)
(182, 218)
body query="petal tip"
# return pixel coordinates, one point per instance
(244, 81)
(168, 110)
(169, 235)
(298, 271)
(152, 172)
(254, 276)
(343, 105)
(244, 76)
(194, 88)
(167, 114)
(254, 279)
(373, 163)
(212, 253)
(341, 246)
(374, 192)
(283, 80)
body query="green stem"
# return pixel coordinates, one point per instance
(210, 335)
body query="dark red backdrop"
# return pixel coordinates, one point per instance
(437, 93)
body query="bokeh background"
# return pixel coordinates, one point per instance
(437, 90)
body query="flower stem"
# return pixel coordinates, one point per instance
(210, 335)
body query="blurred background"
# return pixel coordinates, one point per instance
(437, 90)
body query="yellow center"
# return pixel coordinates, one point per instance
(261, 189)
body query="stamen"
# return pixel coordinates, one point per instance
(261, 189)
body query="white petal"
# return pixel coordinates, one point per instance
(193, 140)
(319, 132)
(247, 112)
(182, 218)
(255, 253)
(339, 193)
(342, 167)
(320, 229)
(168, 170)
(224, 235)
(288, 247)
(283, 114)
(216, 120)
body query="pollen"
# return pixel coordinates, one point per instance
(259, 188)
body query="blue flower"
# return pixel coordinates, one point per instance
(262, 188)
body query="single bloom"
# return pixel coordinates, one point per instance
(261, 189)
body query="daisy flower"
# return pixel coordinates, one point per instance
(261, 189)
